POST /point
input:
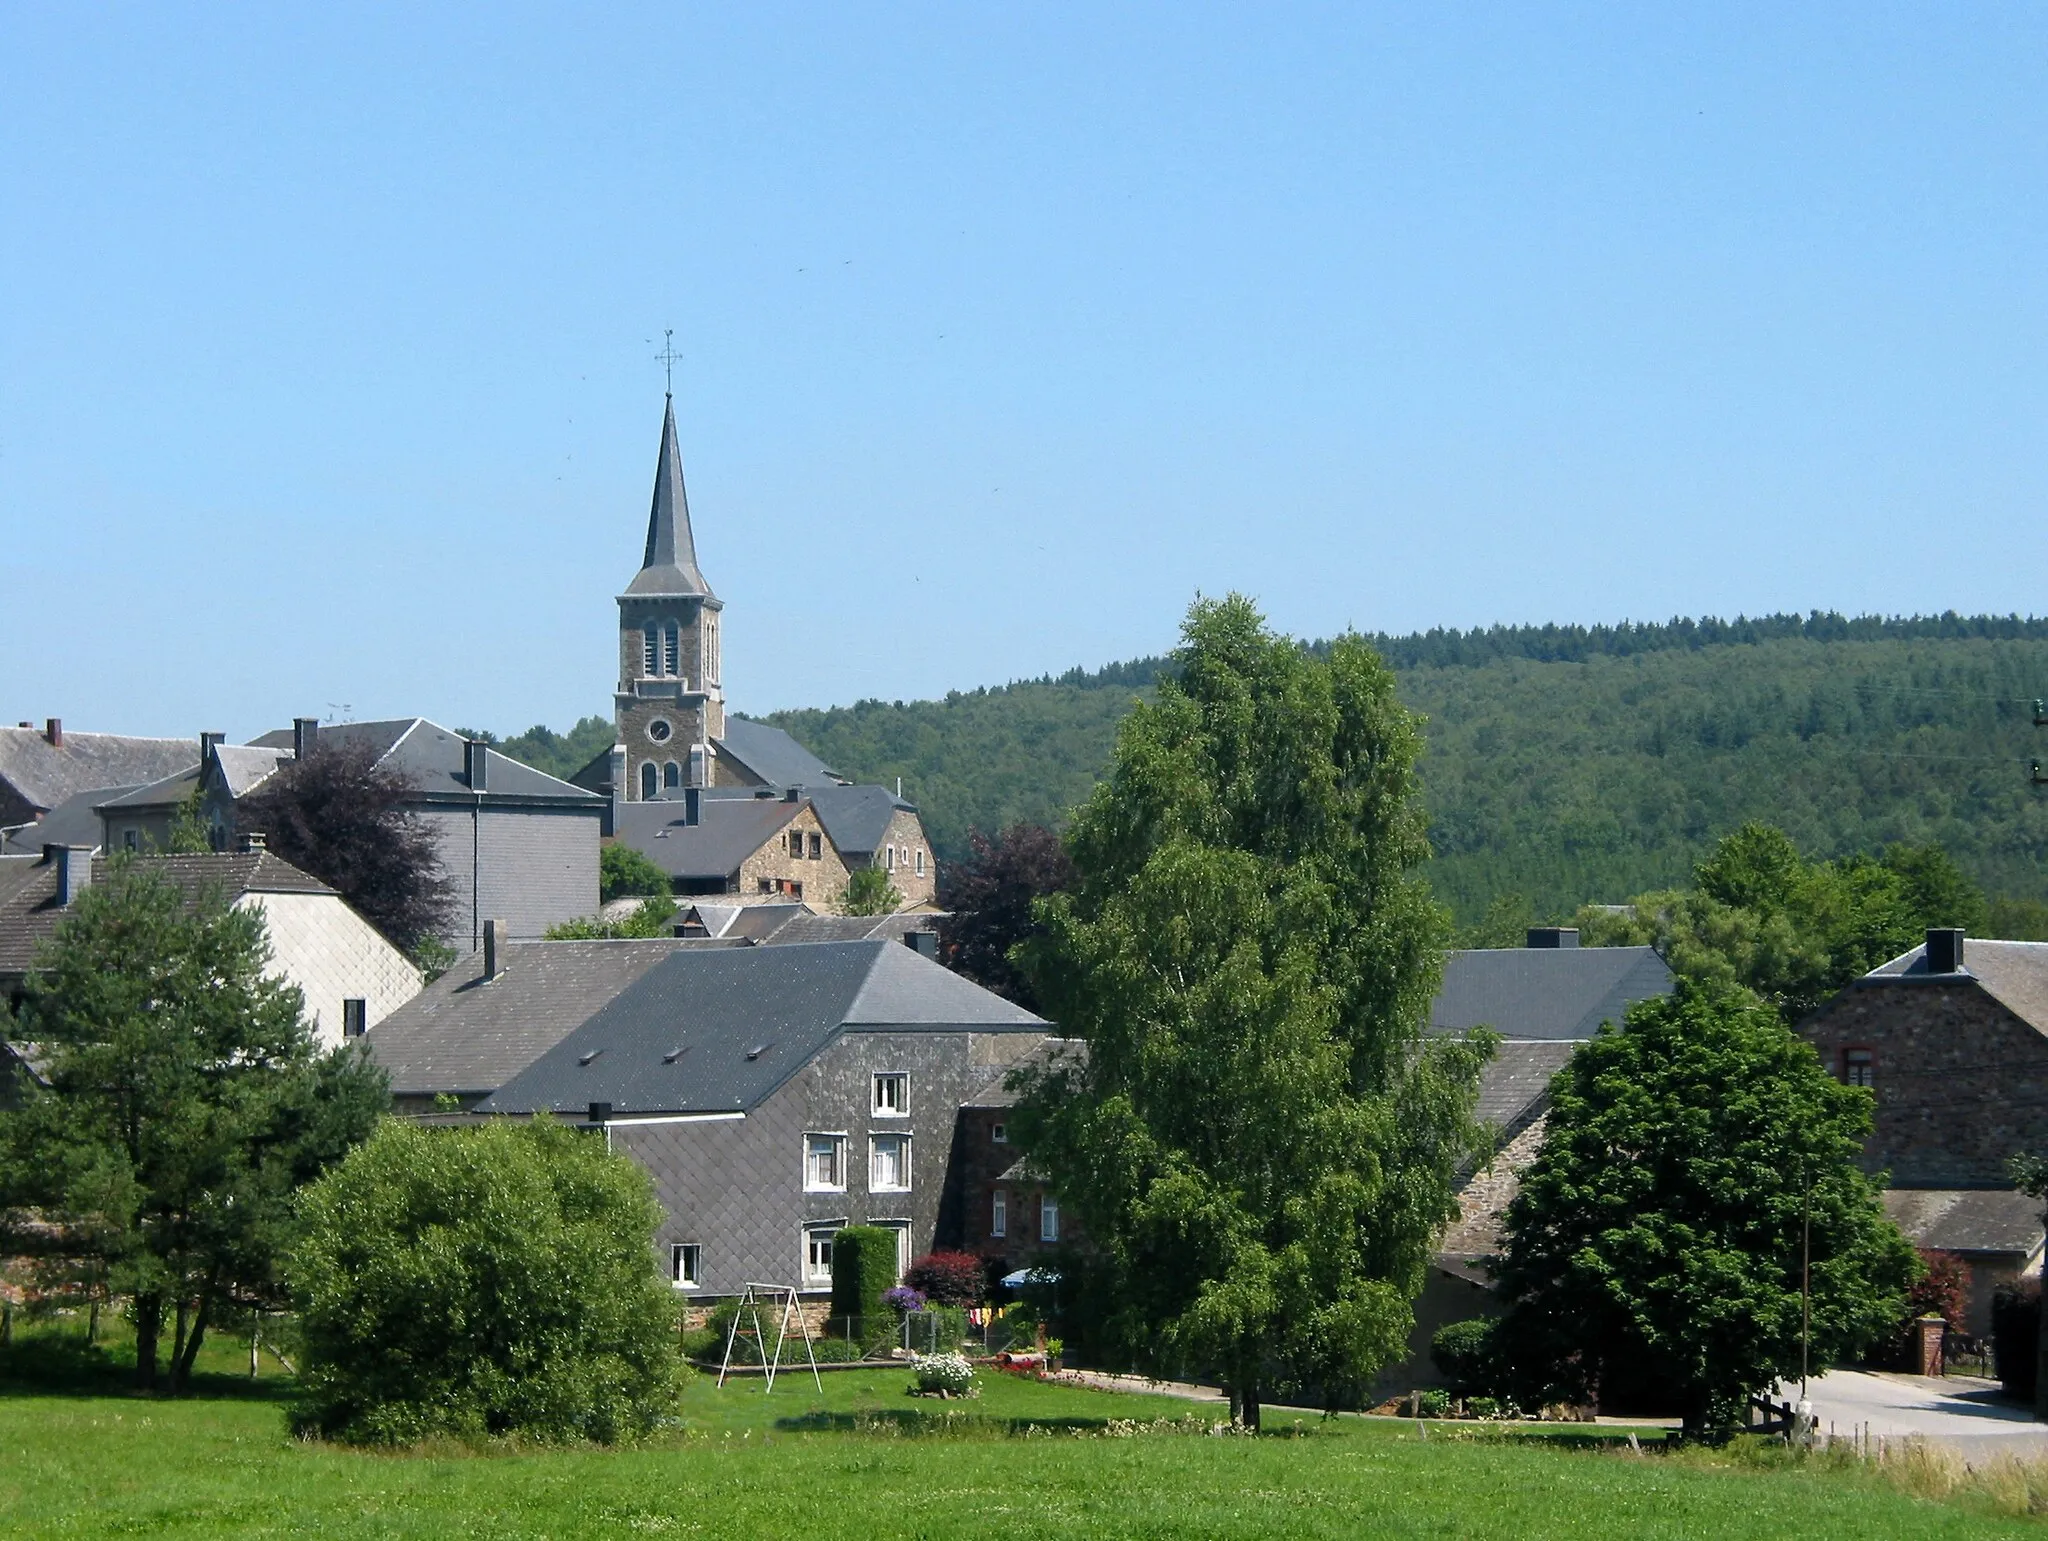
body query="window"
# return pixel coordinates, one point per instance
(999, 1214)
(817, 847)
(647, 782)
(920, 861)
(682, 1265)
(1859, 1067)
(671, 776)
(130, 840)
(825, 1163)
(892, 1094)
(651, 653)
(889, 1163)
(671, 648)
(355, 1017)
(818, 1253)
(998, 1134)
(1048, 1218)
(892, 858)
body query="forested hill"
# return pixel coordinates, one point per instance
(1575, 764)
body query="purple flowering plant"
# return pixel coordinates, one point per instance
(903, 1298)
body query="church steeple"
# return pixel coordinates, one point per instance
(670, 565)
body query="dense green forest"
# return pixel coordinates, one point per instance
(1571, 764)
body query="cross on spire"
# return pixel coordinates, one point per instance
(667, 356)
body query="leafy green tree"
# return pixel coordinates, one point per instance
(654, 917)
(490, 1280)
(869, 892)
(188, 829)
(624, 873)
(1654, 1250)
(185, 1104)
(1260, 1142)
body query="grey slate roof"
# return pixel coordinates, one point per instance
(729, 830)
(718, 1031)
(2013, 973)
(773, 757)
(466, 1034)
(430, 757)
(995, 1092)
(808, 927)
(46, 775)
(670, 564)
(28, 893)
(1967, 1219)
(1515, 1086)
(75, 821)
(1545, 992)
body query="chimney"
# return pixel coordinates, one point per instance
(793, 795)
(53, 730)
(496, 937)
(208, 742)
(1944, 949)
(924, 943)
(693, 805)
(305, 735)
(74, 871)
(1553, 936)
(252, 843)
(600, 1113)
(476, 764)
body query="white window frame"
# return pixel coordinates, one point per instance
(999, 1214)
(686, 1265)
(814, 1234)
(355, 1016)
(998, 1134)
(920, 861)
(1048, 1218)
(902, 1144)
(900, 1080)
(838, 1161)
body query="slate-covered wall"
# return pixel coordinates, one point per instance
(535, 866)
(1961, 1082)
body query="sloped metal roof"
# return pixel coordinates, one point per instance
(718, 1031)
(1545, 992)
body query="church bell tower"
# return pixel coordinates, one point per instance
(670, 707)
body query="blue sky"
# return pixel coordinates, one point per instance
(325, 372)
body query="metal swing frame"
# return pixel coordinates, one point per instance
(782, 1297)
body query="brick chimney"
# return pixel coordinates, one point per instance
(53, 730)
(253, 842)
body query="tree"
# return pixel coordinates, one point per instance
(341, 816)
(185, 1104)
(1654, 1249)
(490, 1280)
(651, 918)
(1260, 1141)
(988, 899)
(869, 892)
(624, 873)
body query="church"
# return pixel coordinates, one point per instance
(724, 805)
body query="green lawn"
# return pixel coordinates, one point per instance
(866, 1461)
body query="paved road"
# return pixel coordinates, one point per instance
(1958, 1410)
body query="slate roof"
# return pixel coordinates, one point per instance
(807, 927)
(1545, 992)
(466, 1034)
(728, 831)
(670, 564)
(47, 775)
(773, 757)
(994, 1093)
(719, 1031)
(2015, 974)
(430, 757)
(1967, 1219)
(244, 767)
(743, 922)
(28, 893)
(75, 821)
(1515, 1087)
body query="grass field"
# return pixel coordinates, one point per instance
(864, 1461)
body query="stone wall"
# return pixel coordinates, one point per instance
(822, 878)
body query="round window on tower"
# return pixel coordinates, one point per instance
(659, 730)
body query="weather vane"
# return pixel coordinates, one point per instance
(667, 356)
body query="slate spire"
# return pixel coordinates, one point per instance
(670, 566)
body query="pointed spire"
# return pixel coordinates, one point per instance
(670, 566)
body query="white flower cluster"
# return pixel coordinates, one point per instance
(942, 1372)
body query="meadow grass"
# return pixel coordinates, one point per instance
(864, 1460)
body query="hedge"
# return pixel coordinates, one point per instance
(863, 1267)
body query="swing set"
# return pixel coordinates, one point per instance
(782, 1300)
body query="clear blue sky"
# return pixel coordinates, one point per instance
(325, 374)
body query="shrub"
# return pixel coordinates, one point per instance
(623, 872)
(950, 1373)
(2015, 1328)
(949, 1278)
(491, 1280)
(1463, 1354)
(863, 1270)
(904, 1300)
(1434, 1404)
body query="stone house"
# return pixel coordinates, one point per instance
(1952, 1040)
(351, 978)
